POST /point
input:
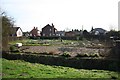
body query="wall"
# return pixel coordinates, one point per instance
(19, 33)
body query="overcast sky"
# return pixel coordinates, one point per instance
(64, 14)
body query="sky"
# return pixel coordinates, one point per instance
(64, 14)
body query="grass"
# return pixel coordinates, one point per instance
(31, 42)
(22, 69)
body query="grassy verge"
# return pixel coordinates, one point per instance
(22, 69)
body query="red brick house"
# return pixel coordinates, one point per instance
(35, 32)
(48, 30)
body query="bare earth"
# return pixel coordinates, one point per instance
(60, 50)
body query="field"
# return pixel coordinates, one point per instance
(22, 69)
(66, 49)
(71, 47)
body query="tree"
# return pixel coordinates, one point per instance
(7, 22)
(86, 34)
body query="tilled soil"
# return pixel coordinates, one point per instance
(60, 50)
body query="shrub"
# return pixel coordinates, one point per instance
(13, 48)
(95, 55)
(66, 54)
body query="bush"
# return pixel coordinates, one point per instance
(13, 48)
(66, 54)
(95, 55)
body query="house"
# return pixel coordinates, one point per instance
(98, 31)
(48, 30)
(60, 33)
(35, 32)
(70, 34)
(16, 31)
(26, 34)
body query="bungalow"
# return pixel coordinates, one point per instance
(16, 31)
(34, 32)
(48, 30)
(98, 31)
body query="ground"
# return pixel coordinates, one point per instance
(57, 47)
(22, 69)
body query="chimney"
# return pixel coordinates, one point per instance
(52, 25)
(34, 27)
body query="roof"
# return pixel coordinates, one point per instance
(48, 25)
(13, 30)
(99, 30)
(36, 29)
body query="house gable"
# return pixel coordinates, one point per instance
(19, 33)
(16, 31)
(48, 30)
(35, 32)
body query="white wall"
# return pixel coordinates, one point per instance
(19, 33)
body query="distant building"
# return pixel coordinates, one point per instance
(77, 33)
(26, 34)
(98, 31)
(48, 30)
(35, 32)
(60, 33)
(70, 34)
(16, 31)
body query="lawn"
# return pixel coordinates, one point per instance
(22, 69)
